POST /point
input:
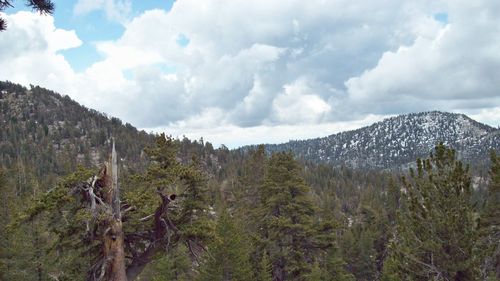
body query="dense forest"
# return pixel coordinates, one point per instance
(189, 211)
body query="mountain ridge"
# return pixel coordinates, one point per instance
(55, 133)
(48, 135)
(397, 141)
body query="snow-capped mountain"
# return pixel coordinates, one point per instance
(398, 141)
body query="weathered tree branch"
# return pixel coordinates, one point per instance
(162, 225)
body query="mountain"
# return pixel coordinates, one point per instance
(398, 141)
(46, 135)
(52, 133)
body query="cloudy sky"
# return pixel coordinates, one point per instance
(239, 72)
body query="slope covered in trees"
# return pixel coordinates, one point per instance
(237, 215)
(396, 142)
(54, 134)
(44, 138)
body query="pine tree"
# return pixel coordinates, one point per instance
(80, 211)
(392, 201)
(249, 181)
(335, 267)
(21, 249)
(265, 268)
(436, 233)
(359, 252)
(248, 198)
(5, 244)
(489, 245)
(390, 271)
(228, 258)
(287, 219)
(176, 265)
(316, 273)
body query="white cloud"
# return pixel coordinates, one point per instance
(299, 104)
(29, 51)
(240, 58)
(126, 57)
(443, 67)
(116, 10)
(273, 65)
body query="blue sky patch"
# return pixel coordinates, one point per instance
(166, 68)
(128, 74)
(93, 27)
(441, 17)
(82, 57)
(182, 40)
(140, 6)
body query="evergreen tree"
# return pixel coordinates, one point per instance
(436, 232)
(264, 269)
(79, 212)
(392, 201)
(249, 180)
(287, 219)
(5, 209)
(21, 249)
(489, 245)
(335, 267)
(176, 265)
(331, 261)
(228, 256)
(248, 199)
(359, 252)
(390, 271)
(368, 237)
(316, 273)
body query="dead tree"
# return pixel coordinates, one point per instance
(125, 255)
(119, 238)
(103, 195)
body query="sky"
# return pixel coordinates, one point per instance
(239, 72)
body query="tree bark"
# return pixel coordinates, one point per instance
(113, 237)
(113, 267)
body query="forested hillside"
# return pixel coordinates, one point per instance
(188, 211)
(396, 142)
(53, 133)
(45, 137)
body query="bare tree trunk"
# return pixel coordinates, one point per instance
(103, 195)
(113, 237)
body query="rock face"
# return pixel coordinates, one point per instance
(396, 142)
